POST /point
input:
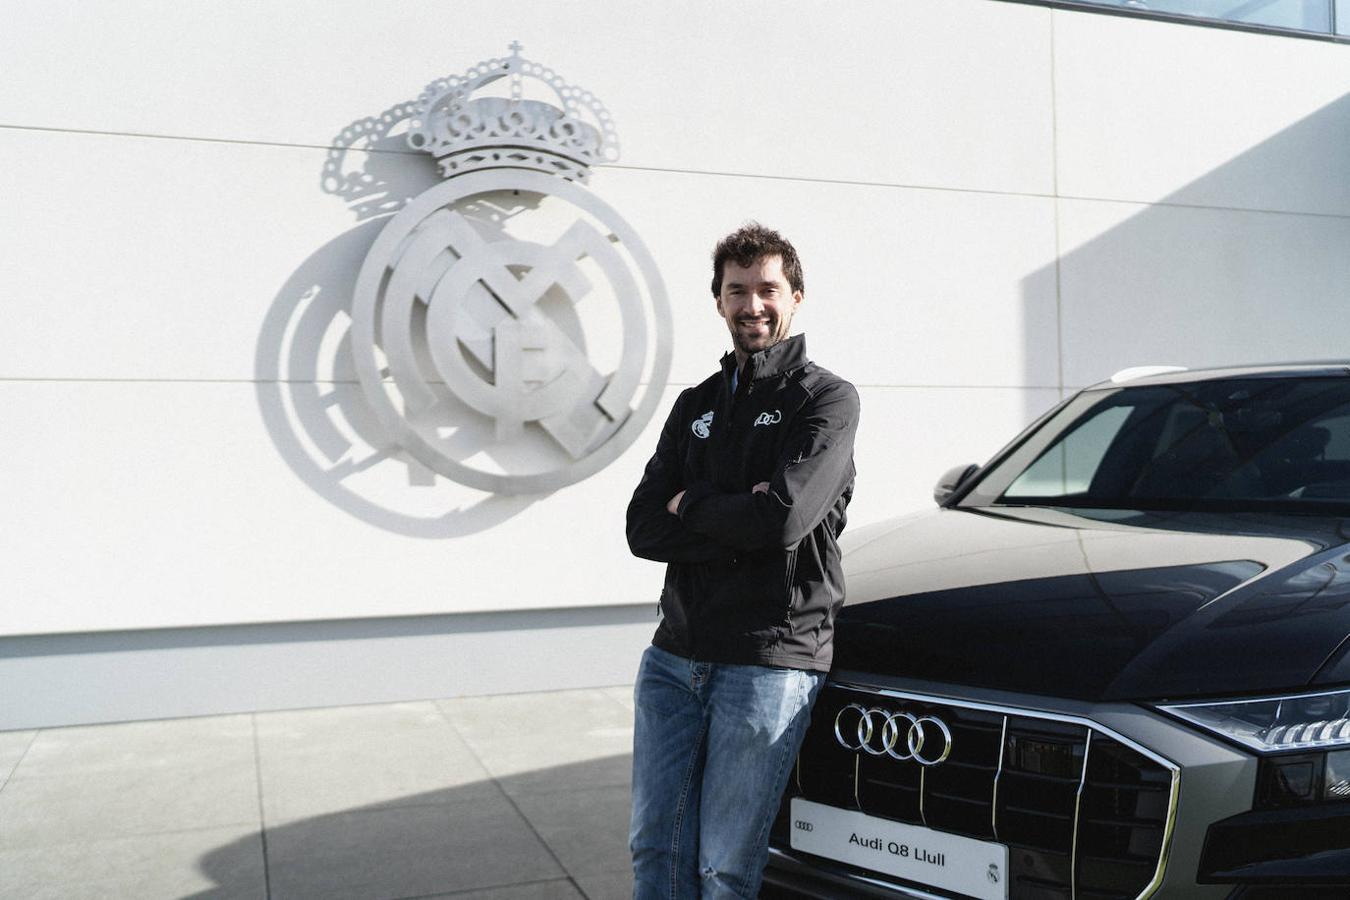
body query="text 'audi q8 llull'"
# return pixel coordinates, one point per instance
(1112, 664)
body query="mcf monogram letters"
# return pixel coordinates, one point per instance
(508, 326)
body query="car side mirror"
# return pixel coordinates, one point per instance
(952, 479)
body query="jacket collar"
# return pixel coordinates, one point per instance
(782, 357)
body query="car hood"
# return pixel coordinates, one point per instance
(1098, 605)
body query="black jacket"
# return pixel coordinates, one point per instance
(753, 578)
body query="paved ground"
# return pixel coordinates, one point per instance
(519, 797)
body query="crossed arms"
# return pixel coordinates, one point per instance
(669, 521)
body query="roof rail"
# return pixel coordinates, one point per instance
(1134, 372)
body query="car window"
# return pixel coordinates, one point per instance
(1068, 466)
(1234, 443)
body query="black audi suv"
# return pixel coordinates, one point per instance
(1113, 662)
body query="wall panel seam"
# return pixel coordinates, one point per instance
(1059, 254)
(1171, 204)
(669, 384)
(619, 167)
(800, 179)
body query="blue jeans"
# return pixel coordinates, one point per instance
(713, 746)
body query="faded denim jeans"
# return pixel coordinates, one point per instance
(713, 746)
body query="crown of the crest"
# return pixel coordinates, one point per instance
(465, 132)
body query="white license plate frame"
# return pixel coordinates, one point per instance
(949, 862)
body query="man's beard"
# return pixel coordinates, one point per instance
(776, 333)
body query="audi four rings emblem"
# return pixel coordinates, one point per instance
(879, 732)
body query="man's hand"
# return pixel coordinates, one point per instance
(811, 474)
(674, 505)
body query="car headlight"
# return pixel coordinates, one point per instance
(1274, 724)
(1303, 739)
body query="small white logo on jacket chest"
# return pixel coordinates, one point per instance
(767, 418)
(700, 425)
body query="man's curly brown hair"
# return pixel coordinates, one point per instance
(750, 242)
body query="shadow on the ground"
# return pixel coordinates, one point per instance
(555, 832)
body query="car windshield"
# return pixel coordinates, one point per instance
(1234, 444)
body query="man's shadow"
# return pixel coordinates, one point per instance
(308, 391)
(475, 837)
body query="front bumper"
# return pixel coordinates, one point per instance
(1092, 800)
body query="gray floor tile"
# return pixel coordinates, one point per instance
(406, 852)
(13, 745)
(119, 802)
(169, 744)
(587, 829)
(322, 761)
(155, 866)
(622, 693)
(302, 728)
(611, 886)
(386, 801)
(559, 889)
(524, 738)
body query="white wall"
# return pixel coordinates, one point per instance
(1205, 195)
(995, 202)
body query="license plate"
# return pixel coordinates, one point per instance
(934, 858)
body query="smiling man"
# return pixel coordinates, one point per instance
(743, 500)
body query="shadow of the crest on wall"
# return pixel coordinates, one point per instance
(320, 422)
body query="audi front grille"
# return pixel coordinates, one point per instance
(1085, 813)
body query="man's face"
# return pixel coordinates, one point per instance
(757, 303)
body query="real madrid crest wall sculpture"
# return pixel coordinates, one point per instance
(509, 328)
